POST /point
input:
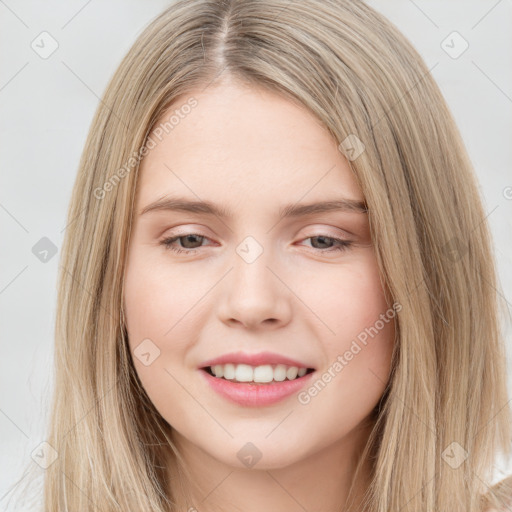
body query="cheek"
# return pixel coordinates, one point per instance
(156, 303)
(347, 299)
(357, 346)
(358, 343)
(154, 299)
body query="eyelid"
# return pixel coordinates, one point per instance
(185, 230)
(322, 231)
(330, 231)
(172, 237)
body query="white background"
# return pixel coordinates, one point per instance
(46, 109)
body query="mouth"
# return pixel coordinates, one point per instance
(263, 375)
(249, 393)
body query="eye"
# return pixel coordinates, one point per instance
(342, 245)
(191, 242)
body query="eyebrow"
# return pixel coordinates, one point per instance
(291, 210)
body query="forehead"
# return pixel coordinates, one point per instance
(239, 143)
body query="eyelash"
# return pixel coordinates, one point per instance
(343, 244)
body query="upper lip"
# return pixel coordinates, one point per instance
(258, 359)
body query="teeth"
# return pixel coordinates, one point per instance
(264, 373)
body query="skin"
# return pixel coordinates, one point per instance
(253, 151)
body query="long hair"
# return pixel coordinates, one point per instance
(444, 417)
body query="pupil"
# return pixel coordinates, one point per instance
(321, 238)
(187, 239)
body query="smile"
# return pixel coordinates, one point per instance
(258, 374)
(250, 393)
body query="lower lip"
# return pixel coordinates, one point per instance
(256, 395)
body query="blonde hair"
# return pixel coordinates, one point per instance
(447, 395)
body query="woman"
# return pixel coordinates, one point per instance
(260, 369)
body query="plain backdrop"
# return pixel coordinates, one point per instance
(47, 101)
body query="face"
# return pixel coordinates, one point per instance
(246, 280)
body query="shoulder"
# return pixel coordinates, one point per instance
(499, 497)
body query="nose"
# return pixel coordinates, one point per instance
(255, 295)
